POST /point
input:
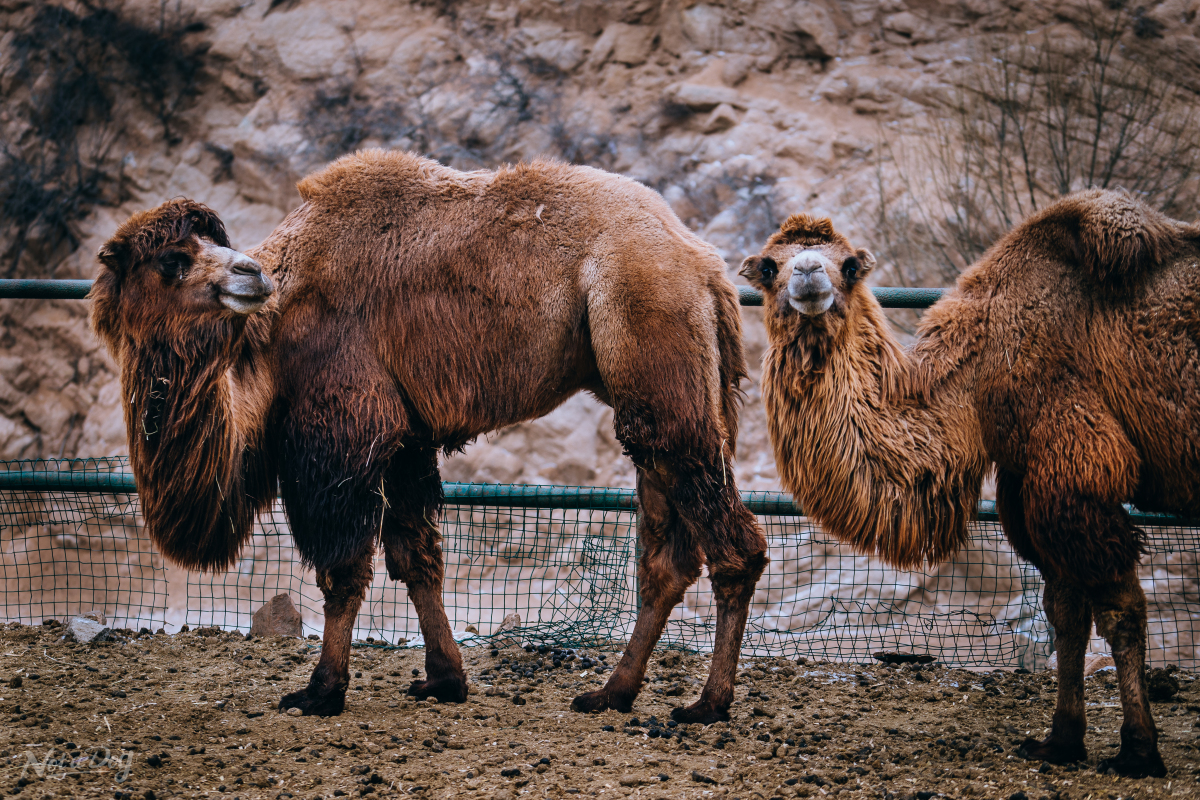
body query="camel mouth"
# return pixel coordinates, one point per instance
(243, 292)
(243, 304)
(812, 305)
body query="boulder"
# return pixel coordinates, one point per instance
(278, 617)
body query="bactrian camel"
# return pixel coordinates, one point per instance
(405, 308)
(1067, 357)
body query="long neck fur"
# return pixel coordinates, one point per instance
(203, 469)
(882, 448)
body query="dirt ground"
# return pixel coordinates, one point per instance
(193, 714)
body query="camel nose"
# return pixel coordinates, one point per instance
(245, 265)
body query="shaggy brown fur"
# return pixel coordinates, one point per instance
(1066, 356)
(418, 307)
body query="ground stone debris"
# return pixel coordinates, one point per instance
(196, 716)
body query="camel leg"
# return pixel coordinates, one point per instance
(344, 588)
(413, 553)
(670, 563)
(736, 551)
(1070, 613)
(1120, 609)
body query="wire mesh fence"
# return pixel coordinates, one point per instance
(564, 560)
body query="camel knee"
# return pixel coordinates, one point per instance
(414, 556)
(1120, 614)
(666, 571)
(735, 577)
(345, 585)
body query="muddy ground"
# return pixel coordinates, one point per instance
(192, 714)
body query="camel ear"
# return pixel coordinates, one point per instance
(866, 259)
(114, 255)
(760, 271)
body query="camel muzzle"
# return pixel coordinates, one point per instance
(244, 288)
(809, 289)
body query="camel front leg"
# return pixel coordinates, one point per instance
(1071, 615)
(1120, 609)
(344, 588)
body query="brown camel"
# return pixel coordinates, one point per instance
(1067, 356)
(406, 307)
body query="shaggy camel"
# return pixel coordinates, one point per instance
(1066, 357)
(406, 307)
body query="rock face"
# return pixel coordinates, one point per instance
(279, 617)
(738, 112)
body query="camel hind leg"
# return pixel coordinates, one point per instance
(413, 554)
(691, 512)
(1081, 467)
(670, 563)
(1120, 609)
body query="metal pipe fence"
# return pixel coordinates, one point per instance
(564, 559)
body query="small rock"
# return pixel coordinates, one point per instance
(509, 623)
(699, 777)
(630, 780)
(759, 711)
(85, 630)
(96, 616)
(15, 682)
(278, 617)
(1095, 662)
(897, 657)
(295, 712)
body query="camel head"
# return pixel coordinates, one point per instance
(809, 274)
(170, 270)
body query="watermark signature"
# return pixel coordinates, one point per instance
(59, 764)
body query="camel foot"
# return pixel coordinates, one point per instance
(1134, 765)
(601, 700)
(312, 704)
(700, 712)
(452, 689)
(1052, 750)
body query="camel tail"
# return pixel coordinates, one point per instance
(732, 366)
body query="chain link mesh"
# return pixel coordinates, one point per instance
(564, 560)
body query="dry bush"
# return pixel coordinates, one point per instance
(1034, 117)
(59, 130)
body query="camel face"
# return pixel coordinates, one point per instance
(168, 265)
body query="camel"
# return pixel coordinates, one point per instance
(1066, 357)
(405, 308)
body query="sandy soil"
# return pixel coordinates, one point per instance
(192, 714)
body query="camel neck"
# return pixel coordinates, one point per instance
(884, 452)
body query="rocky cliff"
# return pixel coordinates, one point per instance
(739, 112)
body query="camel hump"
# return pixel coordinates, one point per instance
(1117, 238)
(372, 170)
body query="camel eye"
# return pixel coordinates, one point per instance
(768, 269)
(850, 267)
(173, 263)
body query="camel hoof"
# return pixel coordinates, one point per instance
(330, 704)
(1128, 765)
(1053, 751)
(701, 713)
(447, 690)
(600, 700)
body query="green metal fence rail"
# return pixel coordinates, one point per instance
(564, 559)
(889, 297)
